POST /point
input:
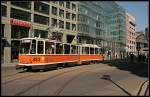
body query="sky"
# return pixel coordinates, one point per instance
(139, 9)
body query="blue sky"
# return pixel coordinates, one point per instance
(139, 9)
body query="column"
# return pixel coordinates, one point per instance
(31, 33)
(7, 34)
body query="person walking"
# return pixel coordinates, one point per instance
(132, 57)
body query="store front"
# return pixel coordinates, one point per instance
(19, 29)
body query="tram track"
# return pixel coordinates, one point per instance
(59, 90)
(14, 74)
(53, 77)
(10, 75)
(9, 81)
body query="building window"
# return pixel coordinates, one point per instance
(41, 7)
(61, 13)
(61, 24)
(98, 32)
(82, 18)
(68, 4)
(68, 25)
(54, 10)
(4, 10)
(21, 15)
(41, 33)
(73, 7)
(4, 2)
(19, 32)
(55, 2)
(54, 22)
(41, 19)
(67, 15)
(145, 45)
(61, 3)
(97, 24)
(74, 27)
(73, 17)
(2, 31)
(22, 4)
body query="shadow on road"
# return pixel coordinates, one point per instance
(137, 68)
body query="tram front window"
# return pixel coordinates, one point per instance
(25, 46)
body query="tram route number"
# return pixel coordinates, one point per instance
(37, 59)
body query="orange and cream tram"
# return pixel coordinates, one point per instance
(40, 52)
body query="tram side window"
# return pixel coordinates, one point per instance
(33, 47)
(24, 48)
(59, 48)
(100, 52)
(86, 50)
(91, 50)
(67, 49)
(96, 50)
(49, 48)
(73, 49)
(40, 47)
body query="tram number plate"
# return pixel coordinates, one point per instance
(36, 59)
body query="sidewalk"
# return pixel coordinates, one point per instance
(4, 65)
(130, 84)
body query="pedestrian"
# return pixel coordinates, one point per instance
(116, 56)
(139, 57)
(144, 57)
(132, 57)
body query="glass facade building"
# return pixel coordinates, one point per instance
(105, 23)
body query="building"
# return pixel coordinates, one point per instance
(147, 33)
(142, 44)
(97, 22)
(131, 34)
(32, 19)
(103, 23)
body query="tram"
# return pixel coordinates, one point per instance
(44, 53)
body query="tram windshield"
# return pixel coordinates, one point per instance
(25, 46)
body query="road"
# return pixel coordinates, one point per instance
(82, 80)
